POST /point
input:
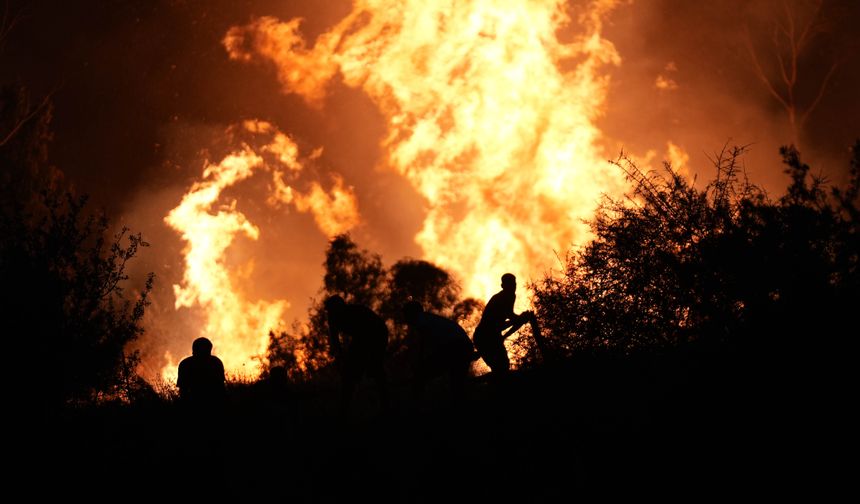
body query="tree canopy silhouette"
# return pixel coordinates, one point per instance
(67, 314)
(359, 276)
(422, 281)
(356, 275)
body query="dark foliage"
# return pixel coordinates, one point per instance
(417, 280)
(672, 269)
(64, 306)
(725, 265)
(360, 277)
(353, 273)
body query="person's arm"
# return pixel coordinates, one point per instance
(222, 378)
(519, 321)
(180, 379)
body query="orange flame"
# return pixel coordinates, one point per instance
(239, 327)
(490, 117)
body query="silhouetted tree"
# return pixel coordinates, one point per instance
(421, 281)
(359, 276)
(355, 274)
(673, 264)
(283, 351)
(424, 282)
(67, 315)
(782, 69)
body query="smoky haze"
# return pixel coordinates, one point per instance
(712, 93)
(144, 91)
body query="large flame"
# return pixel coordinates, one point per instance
(237, 326)
(490, 117)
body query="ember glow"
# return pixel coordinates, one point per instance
(489, 116)
(238, 326)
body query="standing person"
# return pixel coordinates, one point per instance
(358, 338)
(201, 377)
(438, 346)
(499, 315)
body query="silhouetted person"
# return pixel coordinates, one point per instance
(276, 385)
(499, 315)
(277, 380)
(201, 377)
(202, 395)
(438, 346)
(362, 351)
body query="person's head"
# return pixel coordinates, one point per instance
(277, 374)
(201, 346)
(412, 311)
(509, 282)
(334, 306)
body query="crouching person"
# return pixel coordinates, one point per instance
(438, 347)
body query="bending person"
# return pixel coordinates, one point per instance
(358, 338)
(438, 347)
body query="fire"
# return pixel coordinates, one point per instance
(490, 117)
(237, 326)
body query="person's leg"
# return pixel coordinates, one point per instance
(457, 374)
(418, 383)
(496, 356)
(376, 370)
(483, 344)
(350, 376)
(382, 387)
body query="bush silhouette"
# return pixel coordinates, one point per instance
(672, 264)
(67, 314)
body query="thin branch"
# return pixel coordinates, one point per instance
(820, 95)
(31, 115)
(760, 71)
(790, 19)
(785, 78)
(779, 59)
(806, 29)
(792, 42)
(7, 24)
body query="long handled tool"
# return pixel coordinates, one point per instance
(528, 317)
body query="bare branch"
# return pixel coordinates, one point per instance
(801, 41)
(779, 59)
(31, 115)
(7, 24)
(821, 91)
(760, 71)
(790, 18)
(794, 56)
(791, 33)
